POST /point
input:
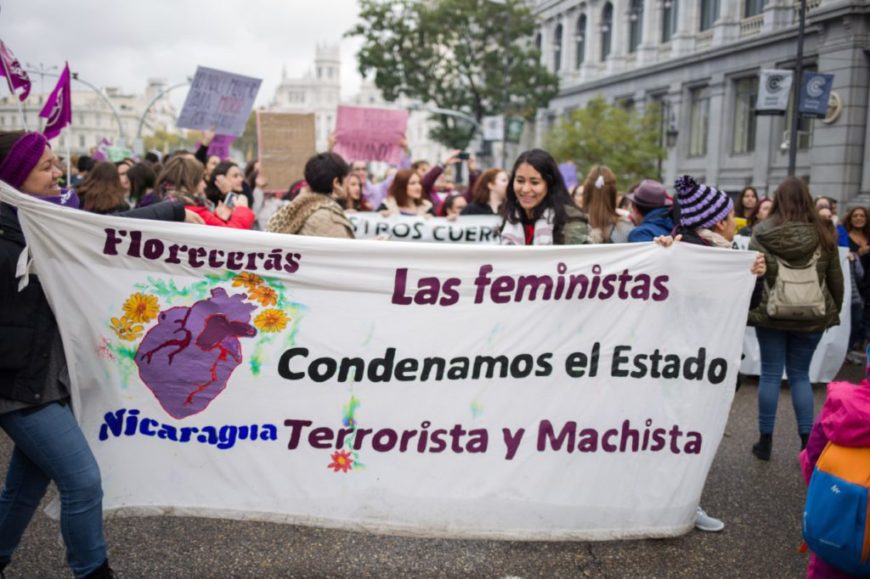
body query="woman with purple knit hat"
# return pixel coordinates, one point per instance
(705, 216)
(34, 381)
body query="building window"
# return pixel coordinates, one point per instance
(745, 94)
(753, 7)
(606, 30)
(699, 120)
(709, 13)
(669, 20)
(2, 121)
(81, 141)
(580, 39)
(538, 41)
(635, 25)
(557, 49)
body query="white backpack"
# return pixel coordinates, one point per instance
(797, 293)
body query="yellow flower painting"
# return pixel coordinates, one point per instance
(141, 308)
(263, 294)
(271, 320)
(247, 280)
(126, 329)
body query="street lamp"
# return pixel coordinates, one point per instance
(448, 113)
(159, 96)
(795, 116)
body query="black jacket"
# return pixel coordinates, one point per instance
(474, 208)
(27, 324)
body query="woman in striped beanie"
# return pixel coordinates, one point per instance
(706, 215)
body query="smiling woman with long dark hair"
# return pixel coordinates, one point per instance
(538, 208)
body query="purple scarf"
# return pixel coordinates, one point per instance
(67, 198)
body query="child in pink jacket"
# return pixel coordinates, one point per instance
(844, 420)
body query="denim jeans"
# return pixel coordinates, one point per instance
(50, 446)
(792, 351)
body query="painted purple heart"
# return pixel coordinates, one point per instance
(188, 357)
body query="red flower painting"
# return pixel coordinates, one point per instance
(341, 461)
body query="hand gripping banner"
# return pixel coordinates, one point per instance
(540, 393)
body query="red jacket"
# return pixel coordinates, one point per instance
(241, 218)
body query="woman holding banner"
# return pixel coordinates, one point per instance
(792, 238)
(34, 381)
(538, 209)
(707, 218)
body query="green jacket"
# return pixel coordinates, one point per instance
(796, 243)
(575, 231)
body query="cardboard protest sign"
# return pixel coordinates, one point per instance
(286, 142)
(453, 390)
(368, 134)
(219, 100)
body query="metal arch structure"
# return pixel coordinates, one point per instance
(156, 98)
(450, 113)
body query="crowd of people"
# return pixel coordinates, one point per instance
(789, 231)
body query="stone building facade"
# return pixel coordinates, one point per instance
(701, 60)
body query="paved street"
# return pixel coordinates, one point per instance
(761, 504)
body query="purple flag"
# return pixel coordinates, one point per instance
(14, 73)
(58, 109)
(220, 146)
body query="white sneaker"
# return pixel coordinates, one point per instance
(704, 522)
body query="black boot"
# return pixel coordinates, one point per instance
(761, 449)
(805, 437)
(101, 572)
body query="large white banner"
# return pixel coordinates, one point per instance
(535, 393)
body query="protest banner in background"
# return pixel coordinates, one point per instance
(831, 351)
(537, 393)
(468, 229)
(220, 146)
(368, 134)
(219, 100)
(286, 142)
